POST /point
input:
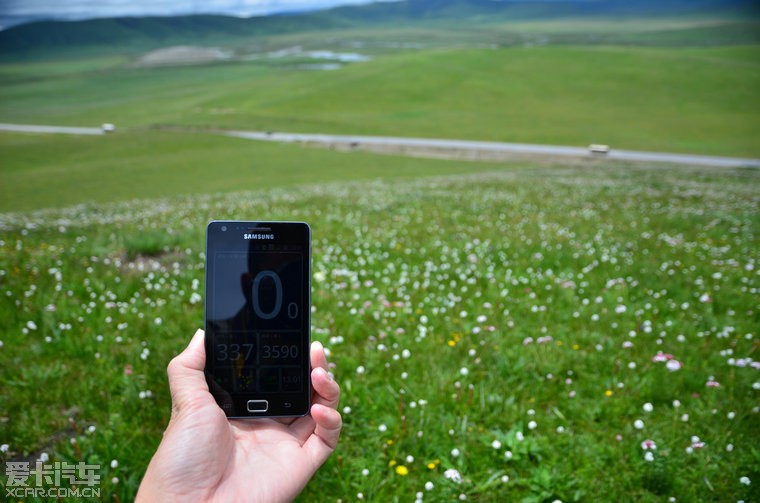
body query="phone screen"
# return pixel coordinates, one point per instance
(258, 317)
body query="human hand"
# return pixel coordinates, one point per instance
(206, 457)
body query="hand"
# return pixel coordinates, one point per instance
(206, 457)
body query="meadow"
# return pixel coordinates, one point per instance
(564, 82)
(529, 331)
(49, 171)
(675, 99)
(533, 333)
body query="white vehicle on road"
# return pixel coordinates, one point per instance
(596, 148)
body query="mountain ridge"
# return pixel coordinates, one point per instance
(150, 32)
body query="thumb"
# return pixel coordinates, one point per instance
(186, 380)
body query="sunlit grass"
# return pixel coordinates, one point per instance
(693, 100)
(44, 171)
(498, 337)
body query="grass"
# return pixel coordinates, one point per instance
(500, 320)
(501, 324)
(43, 171)
(692, 100)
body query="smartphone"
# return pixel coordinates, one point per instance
(258, 307)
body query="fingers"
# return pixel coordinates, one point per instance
(326, 389)
(326, 394)
(323, 441)
(321, 429)
(329, 423)
(327, 420)
(194, 355)
(186, 380)
(324, 408)
(318, 358)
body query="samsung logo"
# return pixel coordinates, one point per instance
(258, 236)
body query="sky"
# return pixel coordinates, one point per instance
(22, 11)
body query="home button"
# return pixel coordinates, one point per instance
(257, 405)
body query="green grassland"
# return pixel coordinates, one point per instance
(505, 325)
(44, 171)
(693, 100)
(499, 319)
(699, 100)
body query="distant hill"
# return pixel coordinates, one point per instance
(141, 33)
(530, 9)
(149, 32)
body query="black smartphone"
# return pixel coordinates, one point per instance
(258, 307)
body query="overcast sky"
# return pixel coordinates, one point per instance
(18, 11)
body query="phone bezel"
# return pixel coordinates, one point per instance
(285, 232)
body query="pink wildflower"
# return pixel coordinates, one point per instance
(649, 444)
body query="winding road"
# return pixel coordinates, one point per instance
(417, 145)
(28, 128)
(435, 147)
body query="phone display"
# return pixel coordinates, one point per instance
(258, 305)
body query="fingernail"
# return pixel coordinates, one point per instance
(329, 375)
